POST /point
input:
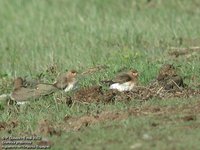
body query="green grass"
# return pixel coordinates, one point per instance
(119, 34)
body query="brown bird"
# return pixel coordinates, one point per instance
(30, 83)
(20, 93)
(66, 81)
(125, 81)
(165, 71)
(168, 78)
(43, 89)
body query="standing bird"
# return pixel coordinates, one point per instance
(21, 93)
(124, 81)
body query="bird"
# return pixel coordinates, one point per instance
(21, 94)
(165, 71)
(124, 81)
(43, 89)
(66, 81)
(168, 77)
(30, 82)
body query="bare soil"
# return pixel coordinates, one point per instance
(75, 123)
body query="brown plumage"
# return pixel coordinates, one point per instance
(131, 75)
(124, 81)
(43, 89)
(20, 93)
(126, 77)
(168, 78)
(165, 71)
(66, 80)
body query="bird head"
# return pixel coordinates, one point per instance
(71, 74)
(134, 73)
(18, 83)
(167, 70)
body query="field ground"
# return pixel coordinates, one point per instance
(36, 36)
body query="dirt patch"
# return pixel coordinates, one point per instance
(46, 127)
(77, 123)
(90, 94)
(45, 142)
(186, 52)
(189, 118)
(3, 126)
(159, 91)
(8, 125)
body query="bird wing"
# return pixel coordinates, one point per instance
(122, 78)
(62, 81)
(23, 94)
(162, 77)
(45, 89)
(31, 83)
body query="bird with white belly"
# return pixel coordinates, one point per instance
(124, 81)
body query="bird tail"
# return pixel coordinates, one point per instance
(108, 82)
(4, 97)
